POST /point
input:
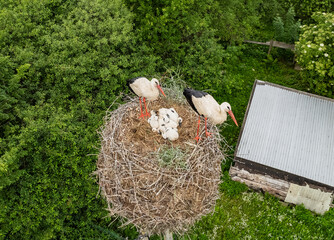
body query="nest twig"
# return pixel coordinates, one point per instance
(152, 196)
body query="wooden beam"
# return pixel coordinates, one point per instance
(259, 43)
(274, 44)
(276, 187)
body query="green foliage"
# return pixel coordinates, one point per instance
(315, 51)
(61, 65)
(305, 8)
(236, 20)
(286, 28)
(167, 26)
(179, 33)
(54, 192)
(203, 64)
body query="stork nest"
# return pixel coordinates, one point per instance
(153, 183)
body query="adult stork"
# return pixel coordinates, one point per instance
(144, 88)
(205, 105)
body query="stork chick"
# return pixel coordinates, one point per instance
(162, 123)
(162, 112)
(172, 114)
(174, 124)
(171, 134)
(154, 121)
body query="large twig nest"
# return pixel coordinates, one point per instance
(153, 183)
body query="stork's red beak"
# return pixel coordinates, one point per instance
(232, 116)
(161, 90)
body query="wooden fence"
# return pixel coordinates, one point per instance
(273, 43)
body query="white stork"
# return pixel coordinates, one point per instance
(144, 88)
(205, 105)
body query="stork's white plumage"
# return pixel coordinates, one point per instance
(144, 88)
(154, 121)
(205, 105)
(170, 134)
(174, 124)
(161, 122)
(172, 114)
(162, 112)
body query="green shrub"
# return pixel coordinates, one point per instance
(286, 28)
(236, 20)
(305, 8)
(62, 63)
(315, 53)
(190, 34)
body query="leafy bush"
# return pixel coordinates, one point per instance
(305, 8)
(315, 53)
(236, 20)
(286, 28)
(61, 65)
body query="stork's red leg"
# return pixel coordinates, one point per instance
(147, 113)
(197, 136)
(208, 134)
(141, 110)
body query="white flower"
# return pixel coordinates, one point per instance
(316, 55)
(304, 51)
(320, 49)
(312, 61)
(321, 44)
(315, 27)
(308, 45)
(326, 55)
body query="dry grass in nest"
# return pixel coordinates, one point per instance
(153, 183)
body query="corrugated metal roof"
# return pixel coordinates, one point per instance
(291, 131)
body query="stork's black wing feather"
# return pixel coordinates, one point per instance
(188, 93)
(130, 81)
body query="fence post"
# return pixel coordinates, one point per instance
(270, 46)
